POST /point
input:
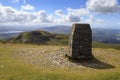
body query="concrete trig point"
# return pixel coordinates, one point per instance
(80, 42)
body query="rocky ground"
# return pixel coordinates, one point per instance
(54, 56)
(45, 56)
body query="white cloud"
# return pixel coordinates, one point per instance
(43, 17)
(81, 11)
(27, 7)
(59, 12)
(73, 15)
(103, 6)
(91, 19)
(9, 15)
(73, 18)
(6, 13)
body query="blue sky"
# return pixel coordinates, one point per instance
(45, 4)
(98, 13)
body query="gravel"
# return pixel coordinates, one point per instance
(54, 56)
(46, 56)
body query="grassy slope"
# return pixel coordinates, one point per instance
(40, 37)
(12, 68)
(105, 45)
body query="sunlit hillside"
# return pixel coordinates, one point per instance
(48, 62)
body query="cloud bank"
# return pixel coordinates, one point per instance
(27, 15)
(103, 6)
(9, 15)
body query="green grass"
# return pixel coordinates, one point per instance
(105, 45)
(40, 37)
(12, 68)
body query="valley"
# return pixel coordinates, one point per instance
(98, 34)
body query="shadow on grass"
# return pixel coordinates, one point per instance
(94, 63)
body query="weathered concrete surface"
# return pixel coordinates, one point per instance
(80, 42)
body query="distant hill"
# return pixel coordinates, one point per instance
(4, 36)
(106, 35)
(57, 29)
(40, 37)
(98, 34)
